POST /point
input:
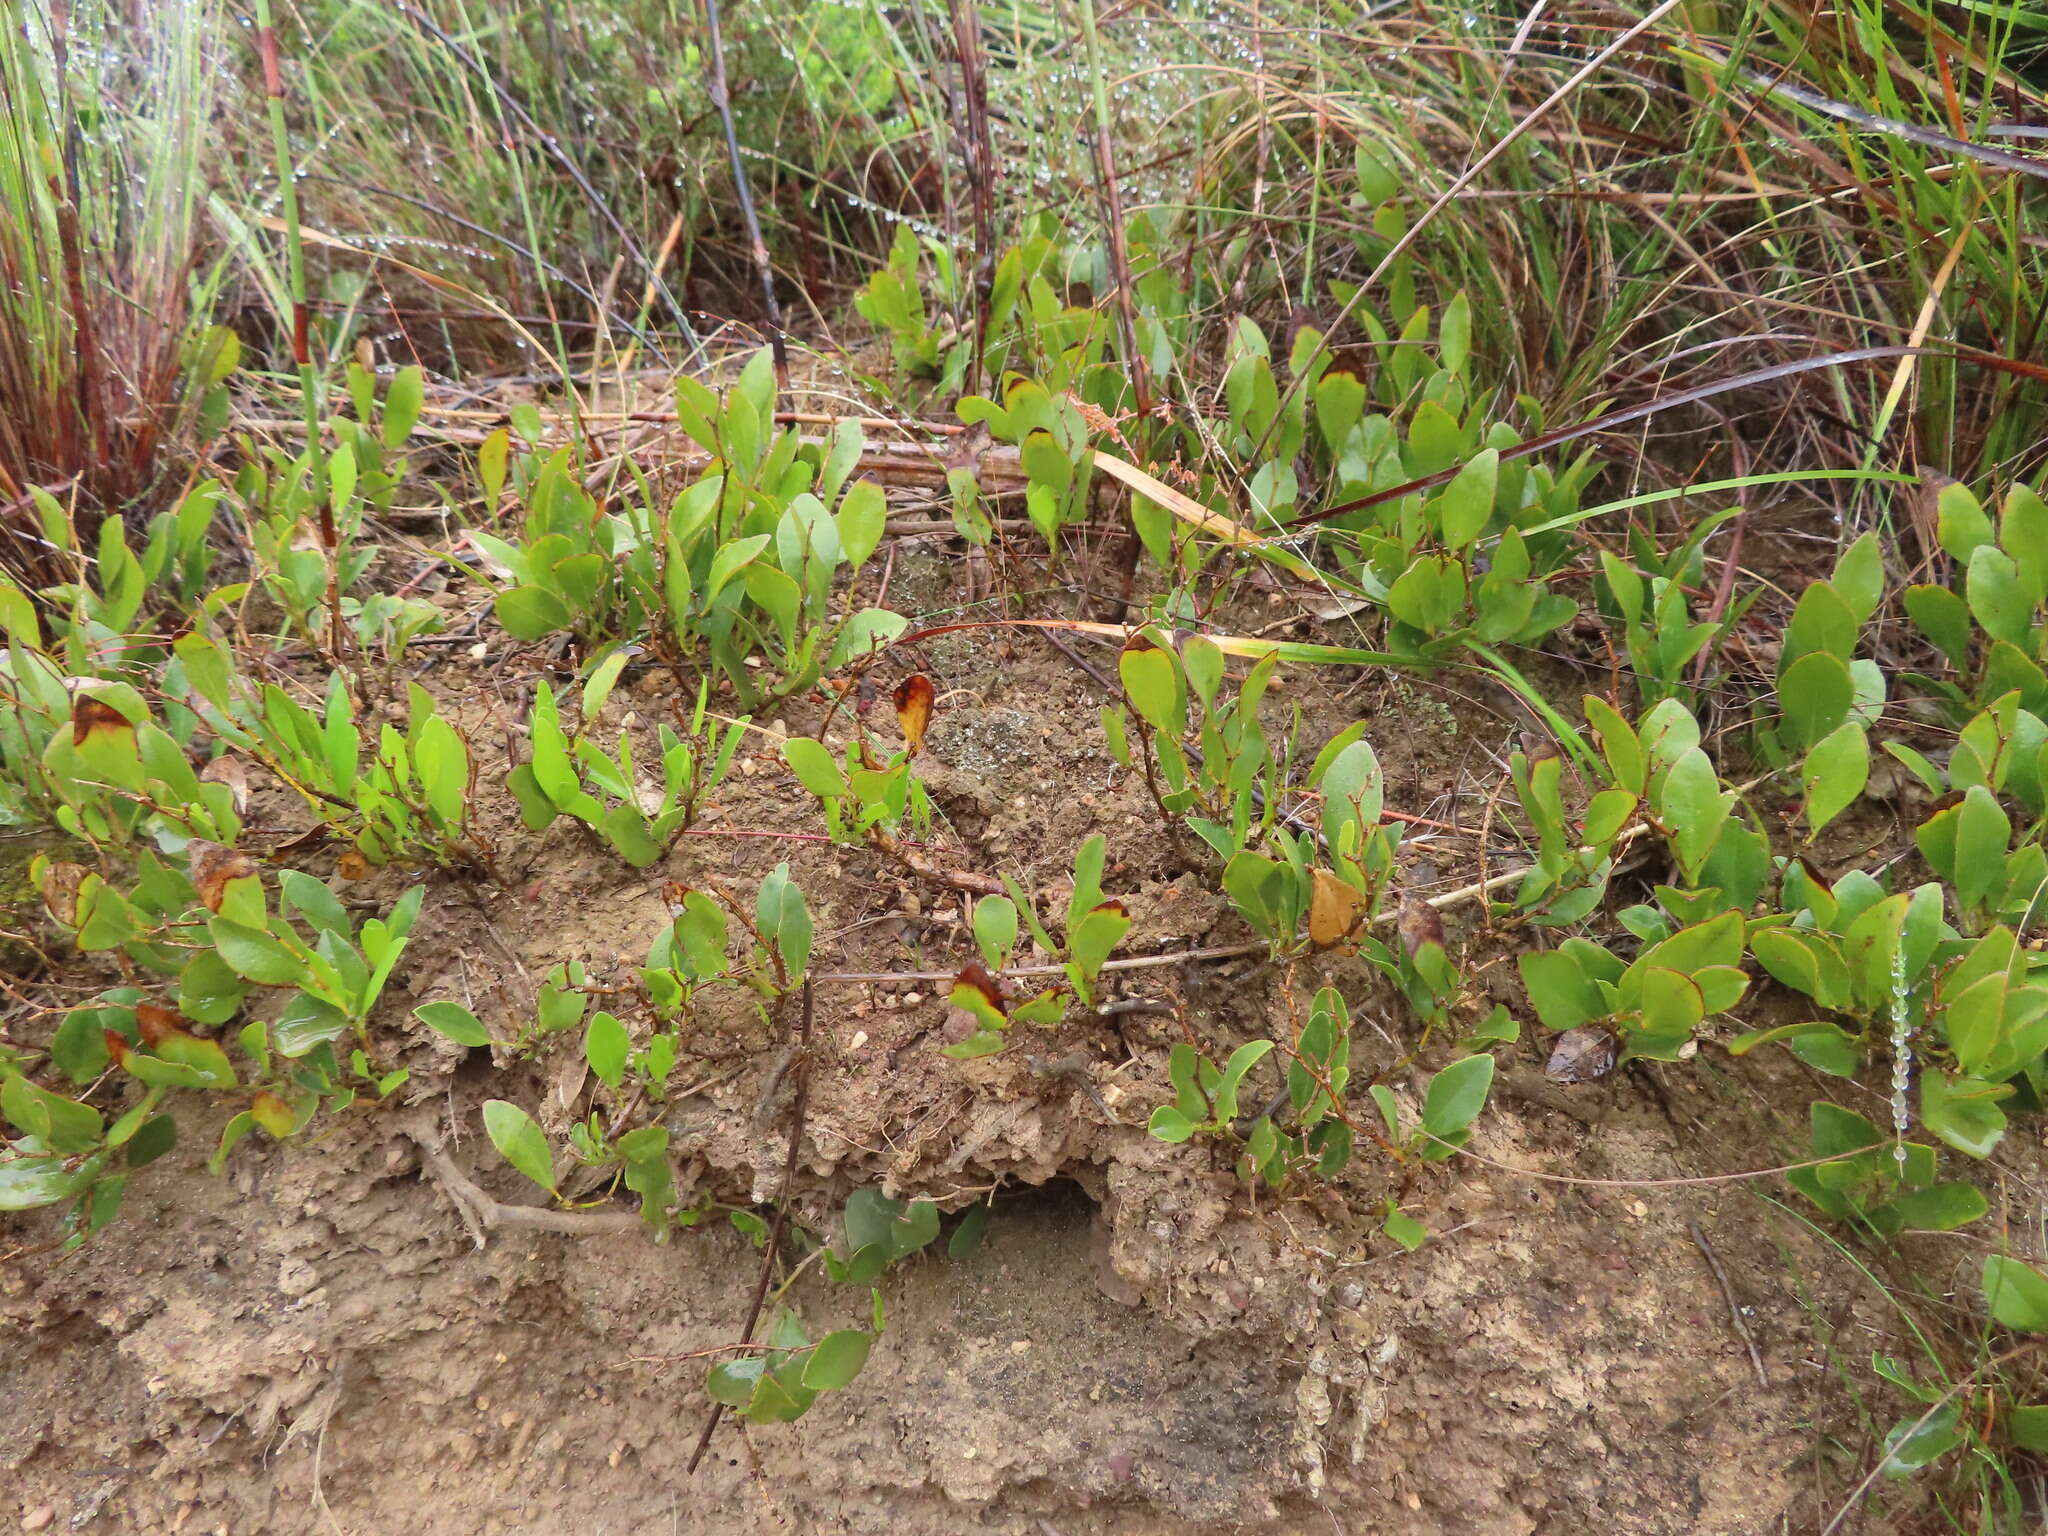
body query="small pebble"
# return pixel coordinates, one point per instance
(860, 1038)
(39, 1518)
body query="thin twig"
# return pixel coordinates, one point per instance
(1728, 1294)
(802, 1069)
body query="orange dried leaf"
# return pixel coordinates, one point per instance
(914, 701)
(1334, 909)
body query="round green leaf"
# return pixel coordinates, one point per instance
(837, 1359)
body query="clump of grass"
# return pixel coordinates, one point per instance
(104, 143)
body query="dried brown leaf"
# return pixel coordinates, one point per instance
(914, 700)
(228, 769)
(1418, 925)
(61, 880)
(1335, 909)
(1582, 1054)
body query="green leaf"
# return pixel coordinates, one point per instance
(730, 560)
(815, 768)
(1151, 678)
(1915, 1442)
(784, 920)
(1405, 1230)
(1962, 1111)
(530, 613)
(2016, 1293)
(209, 992)
(1353, 794)
(606, 1047)
(306, 1023)
(1562, 994)
(1941, 616)
(995, 929)
(1693, 805)
(1835, 773)
(29, 1182)
(520, 1142)
(1429, 595)
(2028, 1427)
(732, 1382)
(1170, 1125)
(64, 1125)
(1999, 600)
(1456, 1095)
(967, 1238)
(1454, 333)
(1960, 522)
(315, 901)
(900, 1229)
(402, 402)
(79, 1047)
(837, 1359)
(454, 1022)
(253, 955)
(536, 809)
(1815, 693)
(1466, 504)
(1940, 1208)
(863, 514)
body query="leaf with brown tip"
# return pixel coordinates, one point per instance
(157, 1024)
(96, 720)
(214, 866)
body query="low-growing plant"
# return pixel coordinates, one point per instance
(289, 1067)
(1991, 632)
(306, 514)
(864, 801)
(561, 772)
(1205, 1101)
(746, 561)
(1882, 1184)
(1453, 1100)
(1094, 926)
(1967, 1014)
(1226, 781)
(412, 798)
(1323, 888)
(1653, 1003)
